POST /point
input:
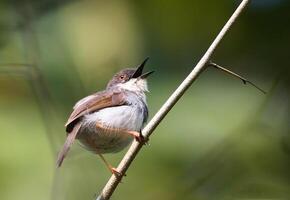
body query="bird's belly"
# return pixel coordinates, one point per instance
(109, 139)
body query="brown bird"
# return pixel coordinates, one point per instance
(107, 121)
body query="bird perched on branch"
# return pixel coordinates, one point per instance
(107, 121)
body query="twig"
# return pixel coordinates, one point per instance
(166, 107)
(24, 70)
(245, 81)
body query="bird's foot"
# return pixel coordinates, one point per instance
(116, 172)
(139, 137)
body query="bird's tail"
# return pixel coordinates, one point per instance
(69, 141)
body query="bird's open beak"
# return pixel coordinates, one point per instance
(138, 72)
(145, 75)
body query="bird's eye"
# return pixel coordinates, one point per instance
(122, 77)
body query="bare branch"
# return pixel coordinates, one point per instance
(167, 106)
(16, 69)
(15, 65)
(245, 81)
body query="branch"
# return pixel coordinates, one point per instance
(245, 81)
(113, 182)
(16, 69)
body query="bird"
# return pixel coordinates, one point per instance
(108, 121)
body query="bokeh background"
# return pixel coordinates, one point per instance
(223, 140)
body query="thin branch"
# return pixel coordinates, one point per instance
(113, 182)
(15, 65)
(245, 81)
(16, 69)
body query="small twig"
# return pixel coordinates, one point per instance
(15, 65)
(245, 81)
(128, 158)
(16, 69)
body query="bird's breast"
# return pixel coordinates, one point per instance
(126, 117)
(123, 117)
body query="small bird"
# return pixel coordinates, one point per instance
(107, 121)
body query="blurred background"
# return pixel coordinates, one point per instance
(223, 139)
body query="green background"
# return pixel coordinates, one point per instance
(222, 140)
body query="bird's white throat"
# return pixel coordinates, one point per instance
(135, 85)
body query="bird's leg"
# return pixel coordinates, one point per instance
(137, 135)
(112, 169)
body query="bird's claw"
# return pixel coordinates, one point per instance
(116, 172)
(141, 139)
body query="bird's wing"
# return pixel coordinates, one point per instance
(86, 105)
(93, 103)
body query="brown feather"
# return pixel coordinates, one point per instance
(93, 103)
(69, 141)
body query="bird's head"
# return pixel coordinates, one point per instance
(131, 79)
